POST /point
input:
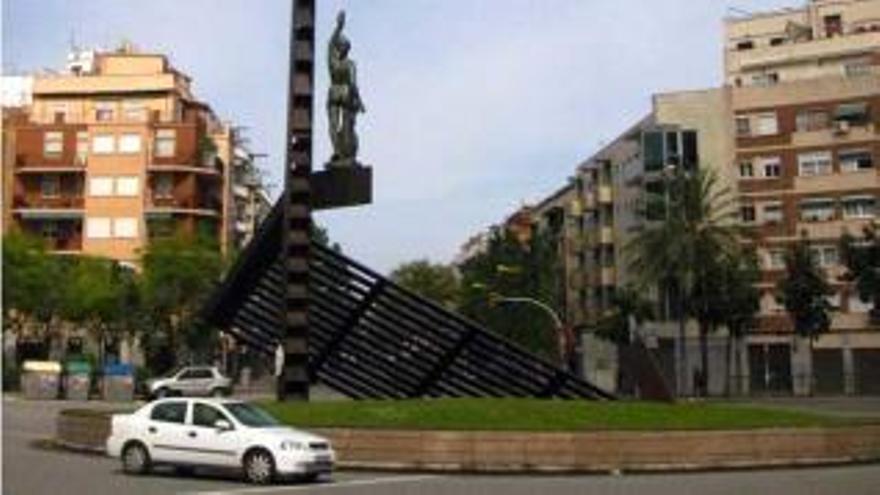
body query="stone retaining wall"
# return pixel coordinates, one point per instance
(572, 452)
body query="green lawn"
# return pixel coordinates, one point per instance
(540, 415)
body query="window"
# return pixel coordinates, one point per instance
(58, 112)
(250, 415)
(82, 147)
(745, 45)
(130, 143)
(833, 25)
(207, 416)
(104, 111)
(777, 41)
(169, 412)
(853, 113)
(196, 374)
(127, 186)
(855, 160)
(772, 213)
(776, 259)
(859, 207)
(743, 126)
(810, 164)
(103, 144)
(53, 144)
(825, 256)
(817, 210)
(166, 143)
(101, 186)
(133, 110)
(747, 213)
(50, 186)
(769, 79)
(856, 305)
(766, 124)
(770, 167)
(857, 68)
(746, 170)
(811, 120)
(125, 228)
(50, 231)
(163, 186)
(98, 228)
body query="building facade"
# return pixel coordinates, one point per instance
(114, 151)
(805, 103)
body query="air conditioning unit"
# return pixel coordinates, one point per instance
(841, 127)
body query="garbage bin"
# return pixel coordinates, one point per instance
(118, 383)
(40, 379)
(77, 381)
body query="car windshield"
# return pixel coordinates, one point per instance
(249, 415)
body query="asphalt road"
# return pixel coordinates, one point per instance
(31, 470)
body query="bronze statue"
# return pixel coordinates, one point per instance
(343, 98)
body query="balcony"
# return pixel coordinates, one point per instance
(608, 276)
(834, 136)
(202, 206)
(817, 49)
(58, 202)
(61, 235)
(605, 195)
(606, 235)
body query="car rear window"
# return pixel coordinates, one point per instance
(169, 412)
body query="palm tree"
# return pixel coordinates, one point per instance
(681, 254)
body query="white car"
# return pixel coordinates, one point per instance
(191, 381)
(219, 433)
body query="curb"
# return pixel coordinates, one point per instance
(547, 470)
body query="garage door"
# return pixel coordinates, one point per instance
(867, 371)
(828, 371)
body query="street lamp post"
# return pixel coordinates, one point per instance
(672, 170)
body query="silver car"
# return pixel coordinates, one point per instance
(191, 381)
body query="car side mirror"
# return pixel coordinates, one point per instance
(222, 425)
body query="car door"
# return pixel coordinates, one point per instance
(167, 431)
(194, 381)
(210, 445)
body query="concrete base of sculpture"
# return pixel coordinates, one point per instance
(342, 185)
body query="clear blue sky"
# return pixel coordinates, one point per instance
(474, 106)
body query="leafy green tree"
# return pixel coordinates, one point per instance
(682, 253)
(437, 282)
(101, 295)
(31, 288)
(861, 256)
(510, 268)
(179, 273)
(737, 302)
(804, 291)
(626, 304)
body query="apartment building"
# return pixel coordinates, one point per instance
(250, 203)
(805, 102)
(116, 150)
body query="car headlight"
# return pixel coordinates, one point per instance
(292, 445)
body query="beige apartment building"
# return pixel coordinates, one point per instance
(805, 103)
(113, 151)
(793, 133)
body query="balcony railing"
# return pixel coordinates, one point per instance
(51, 203)
(190, 203)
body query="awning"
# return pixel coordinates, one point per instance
(851, 111)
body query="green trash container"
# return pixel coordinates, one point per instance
(78, 380)
(40, 379)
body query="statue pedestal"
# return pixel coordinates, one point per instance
(342, 185)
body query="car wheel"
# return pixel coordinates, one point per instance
(135, 459)
(162, 393)
(218, 392)
(259, 467)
